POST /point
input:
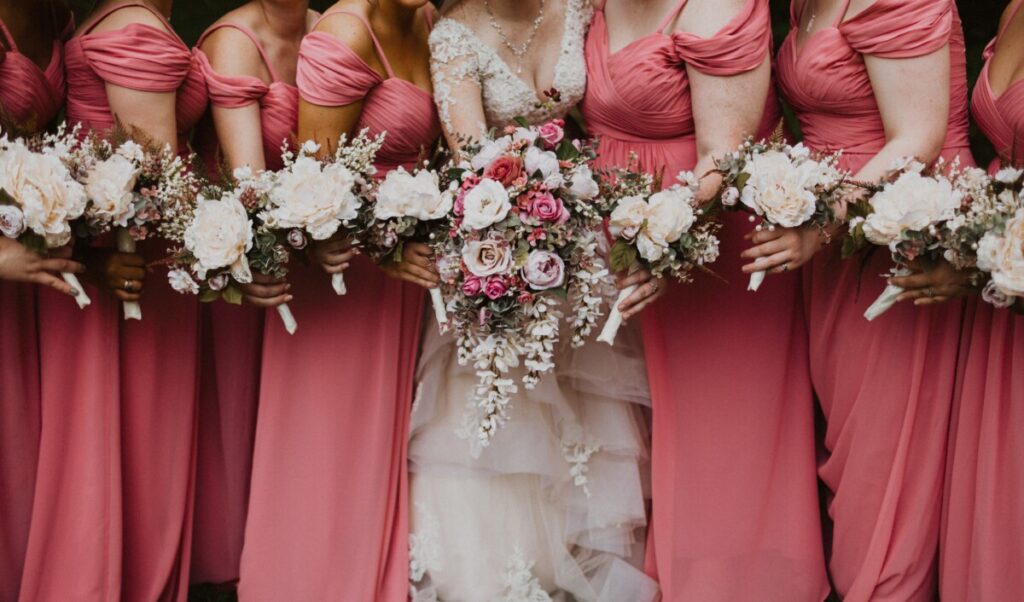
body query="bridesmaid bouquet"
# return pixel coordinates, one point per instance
(987, 235)
(317, 197)
(523, 238)
(665, 232)
(907, 212)
(782, 184)
(407, 207)
(137, 190)
(225, 239)
(40, 200)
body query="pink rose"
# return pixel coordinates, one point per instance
(296, 239)
(138, 232)
(525, 297)
(495, 287)
(218, 282)
(504, 169)
(487, 257)
(471, 286)
(546, 208)
(544, 270)
(552, 132)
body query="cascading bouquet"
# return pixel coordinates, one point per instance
(664, 231)
(907, 213)
(318, 196)
(225, 239)
(39, 197)
(987, 235)
(524, 237)
(407, 206)
(138, 190)
(784, 185)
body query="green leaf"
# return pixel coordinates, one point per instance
(522, 122)
(207, 295)
(232, 295)
(567, 151)
(741, 180)
(560, 292)
(622, 256)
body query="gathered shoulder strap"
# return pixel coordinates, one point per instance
(113, 9)
(8, 38)
(671, 16)
(252, 38)
(373, 36)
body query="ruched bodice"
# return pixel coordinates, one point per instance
(827, 82)
(618, 102)
(332, 74)
(1001, 117)
(278, 100)
(139, 57)
(30, 96)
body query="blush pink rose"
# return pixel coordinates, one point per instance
(471, 286)
(544, 270)
(504, 169)
(546, 208)
(495, 287)
(552, 132)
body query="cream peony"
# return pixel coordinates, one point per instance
(219, 237)
(545, 162)
(780, 190)
(912, 202)
(489, 151)
(487, 257)
(485, 205)
(109, 186)
(582, 184)
(44, 191)
(628, 217)
(402, 194)
(1003, 256)
(314, 197)
(669, 215)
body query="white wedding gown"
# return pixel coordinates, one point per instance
(555, 507)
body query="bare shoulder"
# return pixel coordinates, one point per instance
(123, 17)
(231, 52)
(348, 28)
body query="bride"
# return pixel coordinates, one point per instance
(554, 508)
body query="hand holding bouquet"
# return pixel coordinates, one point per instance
(523, 239)
(782, 184)
(664, 232)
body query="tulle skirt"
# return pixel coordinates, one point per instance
(555, 506)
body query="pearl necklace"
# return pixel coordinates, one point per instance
(518, 51)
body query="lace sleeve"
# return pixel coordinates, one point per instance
(456, 73)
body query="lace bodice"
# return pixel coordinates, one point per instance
(458, 55)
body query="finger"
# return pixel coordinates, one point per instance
(914, 281)
(764, 235)
(61, 265)
(421, 250)
(417, 281)
(791, 263)
(130, 259)
(335, 269)
(931, 300)
(261, 278)
(639, 295)
(126, 296)
(266, 291)
(916, 293)
(269, 301)
(767, 263)
(639, 307)
(338, 258)
(768, 248)
(637, 278)
(420, 273)
(48, 279)
(423, 261)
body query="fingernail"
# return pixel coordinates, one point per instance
(73, 292)
(288, 298)
(287, 287)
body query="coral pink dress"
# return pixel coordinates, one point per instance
(735, 507)
(112, 514)
(982, 545)
(29, 96)
(886, 386)
(232, 347)
(328, 506)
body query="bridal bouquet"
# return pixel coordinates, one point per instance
(317, 197)
(907, 212)
(137, 190)
(39, 196)
(786, 186)
(225, 239)
(407, 206)
(663, 231)
(523, 238)
(987, 235)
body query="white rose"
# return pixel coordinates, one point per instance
(489, 151)
(182, 282)
(545, 162)
(44, 191)
(403, 195)
(1008, 175)
(485, 205)
(219, 237)
(109, 186)
(670, 214)
(1003, 256)
(12, 221)
(628, 217)
(527, 134)
(487, 257)
(912, 202)
(314, 197)
(779, 190)
(582, 184)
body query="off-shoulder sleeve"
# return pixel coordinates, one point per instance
(454, 62)
(900, 29)
(331, 74)
(138, 57)
(740, 46)
(230, 91)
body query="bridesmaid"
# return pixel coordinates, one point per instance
(32, 72)
(880, 79)
(328, 506)
(112, 515)
(249, 59)
(982, 547)
(735, 510)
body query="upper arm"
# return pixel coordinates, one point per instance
(913, 99)
(455, 71)
(239, 128)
